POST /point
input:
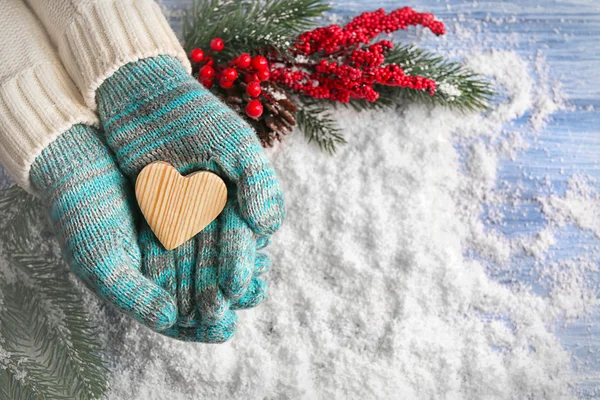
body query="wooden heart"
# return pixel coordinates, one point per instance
(178, 207)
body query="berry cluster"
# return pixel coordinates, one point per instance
(334, 63)
(363, 28)
(339, 64)
(253, 70)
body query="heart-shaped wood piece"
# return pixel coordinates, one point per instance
(178, 207)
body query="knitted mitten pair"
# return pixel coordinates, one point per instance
(152, 110)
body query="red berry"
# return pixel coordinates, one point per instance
(207, 72)
(208, 83)
(250, 78)
(230, 74)
(225, 83)
(244, 60)
(259, 63)
(197, 55)
(209, 61)
(253, 89)
(263, 74)
(217, 44)
(254, 109)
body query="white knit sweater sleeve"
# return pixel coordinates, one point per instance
(38, 100)
(96, 37)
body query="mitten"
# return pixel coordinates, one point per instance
(152, 110)
(92, 213)
(197, 328)
(257, 291)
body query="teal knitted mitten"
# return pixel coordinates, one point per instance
(196, 328)
(92, 213)
(152, 110)
(257, 291)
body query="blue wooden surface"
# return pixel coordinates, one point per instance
(567, 35)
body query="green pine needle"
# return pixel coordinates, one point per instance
(319, 126)
(48, 346)
(473, 93)
(250, 26)
(22, 374)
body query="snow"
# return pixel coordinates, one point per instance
(382, 281)
(580, 206)
(449, 89)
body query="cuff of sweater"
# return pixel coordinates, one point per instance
(36, 106)
(107, 35)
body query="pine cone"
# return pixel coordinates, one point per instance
(279, 115)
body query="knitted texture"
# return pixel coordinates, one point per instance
(153, 110)
(93, 211)
(38, 100)
(93, 216)
(96, 37)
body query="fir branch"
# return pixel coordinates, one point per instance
(44, 317)
(19, 210)
(457, 87)
(22, 375)
(60, 326)
(252, 26)
(318, 125)
(35, 384)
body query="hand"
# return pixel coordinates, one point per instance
(92, 212)
(152, 110)
(198, 329)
